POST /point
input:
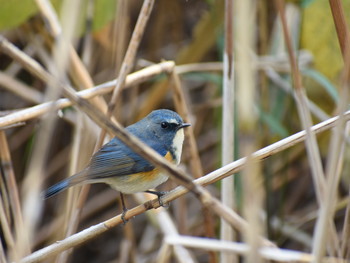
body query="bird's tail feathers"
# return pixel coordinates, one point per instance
(56, 188)
(63, 185)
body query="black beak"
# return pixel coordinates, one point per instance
(184, 125)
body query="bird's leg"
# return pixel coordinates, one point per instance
(159, 194)
(124, 209)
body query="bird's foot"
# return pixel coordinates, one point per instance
(159, 194)
(124, 209)
(123, 216)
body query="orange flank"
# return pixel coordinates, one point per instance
(169, 157)
(150, 175)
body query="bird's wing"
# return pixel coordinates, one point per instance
(117, 159)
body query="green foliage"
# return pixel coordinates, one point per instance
(105, 11)
(274, 124)
(205, 77)
(13, 13)
(318, 35)
(323, 81)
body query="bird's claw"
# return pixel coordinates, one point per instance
(160, 195)
(123, 216)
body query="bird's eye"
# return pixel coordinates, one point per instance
(164, 125)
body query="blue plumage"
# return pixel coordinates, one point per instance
(55, 189)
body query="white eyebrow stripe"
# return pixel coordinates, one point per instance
(173, 121)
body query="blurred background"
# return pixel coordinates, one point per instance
(192, 34)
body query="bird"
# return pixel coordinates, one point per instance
(126, 171)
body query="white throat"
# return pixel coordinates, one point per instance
(177, 145)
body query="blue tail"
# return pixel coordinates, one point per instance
(55, 189)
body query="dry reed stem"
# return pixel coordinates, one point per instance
(253, 192)
(278, 64)
(20, 89)
(267, 253)
(125, 69)
(337, 142)
(167, 226)
(196, 167)
(227, 194)
(61, 56)
(130, 55)
(312, 149)
(21, 240)
(132, 79)
(73, 207)
(210, 178)
(183, 109)
(76, 68)
(286, 86)
(345, 82)
(129, 59)
(164, 253)
(14, 68)
(2, 253)
(169, 229)
(311, 144)
(345, 237)
(6, 229)
(341, 27)
(134, 143)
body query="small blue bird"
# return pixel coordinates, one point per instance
(124, 170)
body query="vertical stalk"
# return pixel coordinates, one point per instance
(227, 184)
(253, 194)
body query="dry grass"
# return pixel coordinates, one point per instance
(284, 202)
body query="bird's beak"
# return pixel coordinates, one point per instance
(184, 125)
